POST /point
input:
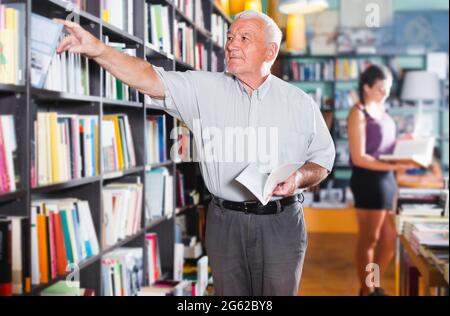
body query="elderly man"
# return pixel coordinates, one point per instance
(254, 249)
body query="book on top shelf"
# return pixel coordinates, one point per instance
(12, 43)
(43, 48)
(119, 13)
(157, 27)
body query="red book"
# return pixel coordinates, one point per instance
(6, 258)
(61, 256)
(4, 177)
(51, 235)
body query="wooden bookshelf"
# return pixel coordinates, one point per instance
(25, 101)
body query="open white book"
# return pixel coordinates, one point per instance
(261, 184)
(419, 151)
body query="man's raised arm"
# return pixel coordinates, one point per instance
(135, 72)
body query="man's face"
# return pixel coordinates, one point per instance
(246, 49)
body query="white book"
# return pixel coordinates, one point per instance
(202, 275)
(86, 218)
(178, 262)
(107, 218)
(35, 274)
(130, 143)
(110, 162)
(419, 151)
(168, 196)
(41, 153)
(165, 29)
(130, 16)
(137, 223)
(261, 184)
(17, 269)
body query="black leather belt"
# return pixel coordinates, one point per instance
(255, 207)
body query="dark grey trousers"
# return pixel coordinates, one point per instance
(256, 255)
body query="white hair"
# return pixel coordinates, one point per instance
(273, 32)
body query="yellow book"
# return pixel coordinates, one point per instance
(115, 120)
(105, 15)
(54, 143)
(11, 24)
(7, 57)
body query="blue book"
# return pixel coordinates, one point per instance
(65, 227)
(94, 160)
(45, 36)
(162, 137)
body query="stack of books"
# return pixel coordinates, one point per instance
(123, 272)
(201, 57)
(420, 206)
(186, 7)
(156, 148)
(350, 68)
(199, 15)
(157, 27)
(119, 13)
(122, 211)
(68, 73)
(117, 143)
(184, 43)
(219, 30)
(62, 233)
(308, 71)
(65, 147)
(154, 269)
(115, 89)
(425, 237)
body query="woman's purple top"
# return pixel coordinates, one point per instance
(381, 135)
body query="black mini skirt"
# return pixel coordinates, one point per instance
(373, 190)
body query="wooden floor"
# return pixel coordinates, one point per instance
(329, 267)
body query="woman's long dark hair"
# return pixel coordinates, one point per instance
(372, 74)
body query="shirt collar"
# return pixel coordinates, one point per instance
(261, 91)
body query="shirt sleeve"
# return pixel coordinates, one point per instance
(321, 148)
(180, 98)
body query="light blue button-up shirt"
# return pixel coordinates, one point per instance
(276, 124)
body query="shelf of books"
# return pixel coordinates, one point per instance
(332, 81)
(91, 186)
(422, 224)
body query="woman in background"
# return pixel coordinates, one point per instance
(372, 132)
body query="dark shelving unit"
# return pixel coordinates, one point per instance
(24, 102)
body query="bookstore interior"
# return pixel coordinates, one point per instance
(100, 194)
